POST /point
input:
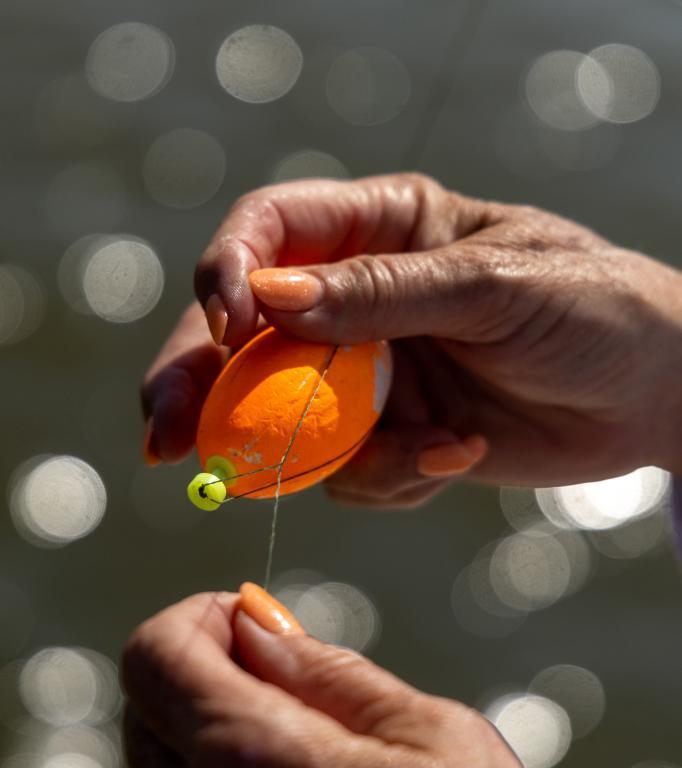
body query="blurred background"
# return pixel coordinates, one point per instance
(126, 130)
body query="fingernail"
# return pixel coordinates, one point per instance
(216, 316)
(477, 446)
(266, 611)
(149, 450)
(452, 459)
(285, 288)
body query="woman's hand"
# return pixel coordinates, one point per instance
(561, 350)
(290, 702)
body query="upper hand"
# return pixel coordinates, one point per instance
(562, 350)
(291, 702)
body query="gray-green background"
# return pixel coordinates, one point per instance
(71, 387)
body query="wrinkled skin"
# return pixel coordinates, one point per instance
(563, 350)
(292, 702)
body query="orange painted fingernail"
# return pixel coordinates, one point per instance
(216, 316)
(452, 459)
(151, 456)
(284, 288)
(477, 446)
(266, 611)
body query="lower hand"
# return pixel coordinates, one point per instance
(289, 702)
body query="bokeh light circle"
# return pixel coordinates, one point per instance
(259, 63)
(618, 83)
(59, 686)
(57, 500)
(82, 740)
(22, 304)
(656, 764)
(368, 86)
(519, 507)
(72, 268)
(551, 91)
(309, 163)
(333, 612)
(577, 690)
(476, 605)
(130, 61)
(636, 538)
(68, 687)
(184, 168)
(606, 503)
(123, 280)
(530, 570)
(71, 760)
(536, 728)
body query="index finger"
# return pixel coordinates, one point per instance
(306, 222)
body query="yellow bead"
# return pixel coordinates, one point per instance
(222, 468)
(206, 491)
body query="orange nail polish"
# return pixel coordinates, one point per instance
(477, 446)
(288, 289)
(452, 459)
(216, 316)
(266, 611)
(149, 452)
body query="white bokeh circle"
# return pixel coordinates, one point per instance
(130, 61)
(123, 280)
(618, 83)
(184, 168)
(259, 63)
(56, 500)
(368, 86)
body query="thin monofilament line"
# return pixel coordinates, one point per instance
(280, 466)
(241, 474)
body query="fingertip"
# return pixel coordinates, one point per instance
(175, 425)
(285, 288)
(217, 318)
(452, 458)
(222, 287)
(267, 611)
(149, 447)
(478, 446)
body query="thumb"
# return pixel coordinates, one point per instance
(351, 689)
(444, 292)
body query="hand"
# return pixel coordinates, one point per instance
(291, 702)
(561, 350)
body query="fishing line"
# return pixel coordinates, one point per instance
(465, 26)
(285, 455)
(279, 467)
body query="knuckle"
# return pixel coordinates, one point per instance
(259, 205)
(417, 181)
(371, 284)
(331, 668)
(383, 703)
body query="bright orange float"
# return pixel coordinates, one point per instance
(281, 402)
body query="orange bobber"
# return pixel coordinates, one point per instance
(255, 414)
